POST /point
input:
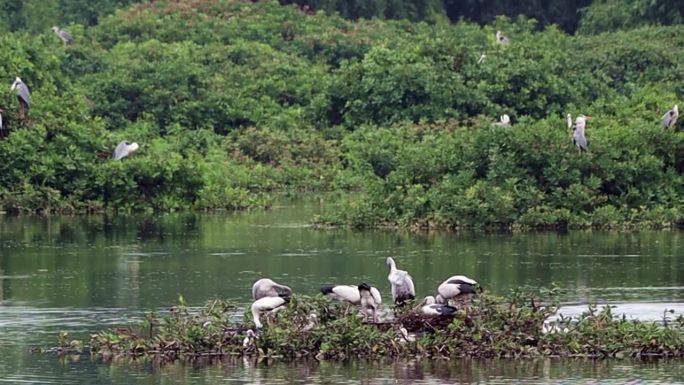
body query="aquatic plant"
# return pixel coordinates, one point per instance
(485, 327)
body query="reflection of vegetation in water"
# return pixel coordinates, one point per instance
(485, 328)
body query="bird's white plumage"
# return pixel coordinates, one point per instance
(670, 117)
(346, 293)
(249, 338)
(501, 38)
(124, 149)
(431, 308)
(578, 137)
(569, 120)
(401, 283)
(266, 287)
(63, 35)
(370, 301)
(22, 91)
(455, 286)
(265, 304)
(504, 121)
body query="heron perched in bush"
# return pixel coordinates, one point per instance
(501, 38)
(578, 138)
(64, 35)
(124, 149)
(670, 117)
(23, 95)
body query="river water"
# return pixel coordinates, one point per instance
(83, 274)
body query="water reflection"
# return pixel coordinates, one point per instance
(85, 273)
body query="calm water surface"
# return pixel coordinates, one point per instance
(82, 274)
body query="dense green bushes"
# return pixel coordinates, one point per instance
(232, 101)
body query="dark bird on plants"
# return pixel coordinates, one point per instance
(578, 138)
(370, 301)
(23, 95)
(401, 282)
(266, 287)
(670, 117)
(63, 35)
(124, 149)
(501, 38)
(267, 304)
(430, 307)
(453, 287)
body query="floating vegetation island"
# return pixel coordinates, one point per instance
(487, 327)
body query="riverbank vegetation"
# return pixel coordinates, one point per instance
(487, 327)
(232, 101)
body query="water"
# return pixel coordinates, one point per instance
(83, 274)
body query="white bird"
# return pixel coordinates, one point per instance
(313, 321)
(22, 91)
(267, 304)
(405, 336)
(64, 35)
(432, 308)
(268, 288)
(501, 38)
(453, 287)
(349, 293)
(249, 339)
(505, 121)
(124, 149)
(578, 138)
(482, 58)
(569, 117)
(370, 301)
(401, 282)
(670, 117)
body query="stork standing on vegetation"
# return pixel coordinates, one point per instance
(350, 294)
(401, 282)
(453, 287)
(124, 149)
(370, 301)
(266, 287)
(267, 304)
(578, 137)
(501, 38)
(63, 35)
(670, 117)
(23, 95)
(430, 307)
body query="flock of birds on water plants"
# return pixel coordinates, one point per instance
(125, 148)
(270, 297)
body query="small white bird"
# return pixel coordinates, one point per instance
(482, 58)
(405, 337)
(569, 117)
(266, 287)
(63, 35)
(267, 304)
(578, 137)
(22, 91)
(401, 282)
(124, 149)
(453, 287)
(249, 339)
(370, 301)
(501, 38)
(505, 121)
(432, 308)
(670, 117)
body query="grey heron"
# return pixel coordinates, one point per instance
(578, 137)
(267, 304)
(453, 287)
(670, 117)
(266, 287)
(124, 149)
(401, 282)
(370, 301)
(23, 95)
(432, 308)
(63, 35)
(501, 38)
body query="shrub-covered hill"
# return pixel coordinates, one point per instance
(234, 100)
